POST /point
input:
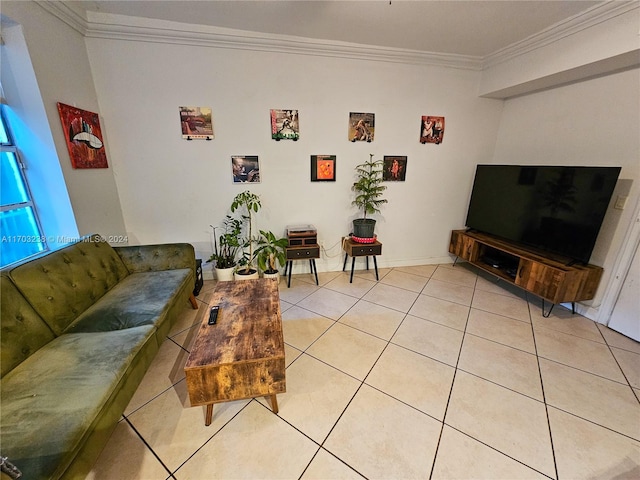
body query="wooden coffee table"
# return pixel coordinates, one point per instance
(242, 356)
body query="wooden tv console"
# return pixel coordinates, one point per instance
(551, 278)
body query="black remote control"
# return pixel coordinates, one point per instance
(213, 315)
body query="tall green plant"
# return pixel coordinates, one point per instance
(250, 202)
(369, 187)
(226, 247)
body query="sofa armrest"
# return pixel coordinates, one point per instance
(150, 258)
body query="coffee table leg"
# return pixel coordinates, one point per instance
(207, 420)
(274, 404)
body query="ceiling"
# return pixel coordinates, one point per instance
(476, 28)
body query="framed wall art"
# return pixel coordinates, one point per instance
(361, 127)
(196, 123)
(394, 168)
(83, 136)
(431, 129)
(245, 169)
(323, 168)
(285, 125)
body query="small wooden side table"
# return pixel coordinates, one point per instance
(309, 252)
(354, 250)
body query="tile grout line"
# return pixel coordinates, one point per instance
(453, 381)
(544, 395)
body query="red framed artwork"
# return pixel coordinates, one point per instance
(83, 136)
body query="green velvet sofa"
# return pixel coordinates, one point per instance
(80, 327)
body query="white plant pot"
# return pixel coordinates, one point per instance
(271, 275)
(225, 274)
(239, 276)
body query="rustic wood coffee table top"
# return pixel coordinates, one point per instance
(242, 356)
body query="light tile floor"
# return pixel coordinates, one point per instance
(434, 372)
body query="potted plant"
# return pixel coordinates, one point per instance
(270, 253)
(250, 202)
(368, 190)
(225, 248)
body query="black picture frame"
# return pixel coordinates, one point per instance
(394, 168)
(323, 168)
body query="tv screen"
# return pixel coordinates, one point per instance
(555, 209)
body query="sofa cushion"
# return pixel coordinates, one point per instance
(64, 283)
(53, 400)
(23, 331)
(139, 299)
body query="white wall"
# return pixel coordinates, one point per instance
(31, 132)
(595, 122)
(172, 189)
(62, 74)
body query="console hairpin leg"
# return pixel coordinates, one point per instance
(290, 268)
(314, 269)
(375, 264)
(546, 315)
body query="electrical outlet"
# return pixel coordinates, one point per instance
(620, 202)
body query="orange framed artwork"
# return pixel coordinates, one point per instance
(323, 168)
(83, 135)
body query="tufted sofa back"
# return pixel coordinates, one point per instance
(23, 331)
(62, 284)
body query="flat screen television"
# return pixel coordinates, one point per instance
(551, 208)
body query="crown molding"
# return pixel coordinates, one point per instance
(582, 21)
(71, 16)
(121, 27)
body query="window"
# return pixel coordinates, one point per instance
(21, 235)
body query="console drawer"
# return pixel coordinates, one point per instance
(362, 250)
(303, 252)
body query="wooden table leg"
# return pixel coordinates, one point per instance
(274, 404)
(194, 303)
(207, 420)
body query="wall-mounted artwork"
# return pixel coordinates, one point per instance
(361, 127)
(431, 129)
(394, 169)
(197, 123)
(323, 168)
(84, 137)
(246, 169)
(285, 125)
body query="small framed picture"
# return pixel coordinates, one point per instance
(285, 125)
(197, 123)
(246, 169)
(323, 168)
(394, 169)
(362, 127)
(431, 129)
